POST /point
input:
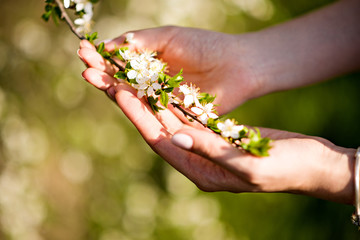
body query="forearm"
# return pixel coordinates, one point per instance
(315, 47)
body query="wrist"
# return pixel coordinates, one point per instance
(252, 73)
(333, 178)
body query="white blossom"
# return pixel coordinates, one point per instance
(67, 3)
(84, 5)
(132, 74)
(84, 22)
(145, 69)
(129, 37)
(128, 55)
(191, 95)
(204, 112)
(147, 86)
(230, 129)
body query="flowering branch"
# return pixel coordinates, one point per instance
(83, 8)
(147, 74)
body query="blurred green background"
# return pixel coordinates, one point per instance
(73, 167)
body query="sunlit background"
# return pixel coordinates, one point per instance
(73, 167)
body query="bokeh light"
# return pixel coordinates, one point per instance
(73, 167)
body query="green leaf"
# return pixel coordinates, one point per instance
(133, 81)
(120, 75)
(212, 124)
(58, 12)
(164, 98)
(176, 80)
(205, 98)
(55, 16)
(243, 133)
(128, 66)
(101, 47)
(257, 145)
(106, 55)
(46, 16)
(169, 89)
(162, 77)
(123, 49)
(152, 102)
(48, 7)
(91, 38)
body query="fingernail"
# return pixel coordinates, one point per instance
(78, 53)
(182, 140)
(111, 93)
(82, 75)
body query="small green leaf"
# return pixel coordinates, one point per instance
(152, 102)
(48, 8)
(212, 124)
(257, 145)
(133, 81)
(176, 80)
(106, 55)
(118, 55)
(169, 89)
(128, 66)
(243, 133)
(58, 12)
(205, 98)
(55, 16)
(91, 38)
(46, 16)
(162, 77)
(101, 47)
(120, 75)
(164, 98)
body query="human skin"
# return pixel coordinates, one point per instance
(237, 68)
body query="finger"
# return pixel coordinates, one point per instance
(94, 60)
(155, 134)
(155, 39)
(140, 114)
(214, 148)
(87, 44)
(99, 79)
(169, 120)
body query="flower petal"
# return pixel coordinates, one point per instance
(197, 111)
(66, 3)
(140, 93)
(188, 100)
(213, 115)
(131, 74)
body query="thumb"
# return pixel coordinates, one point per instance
(154, 39)
(212, 147)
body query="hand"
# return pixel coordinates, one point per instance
(214, 62)
(297, 163)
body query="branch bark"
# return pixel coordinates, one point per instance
(68, 20)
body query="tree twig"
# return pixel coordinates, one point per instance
(72, 27)
(187, 114)
(67, 19)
